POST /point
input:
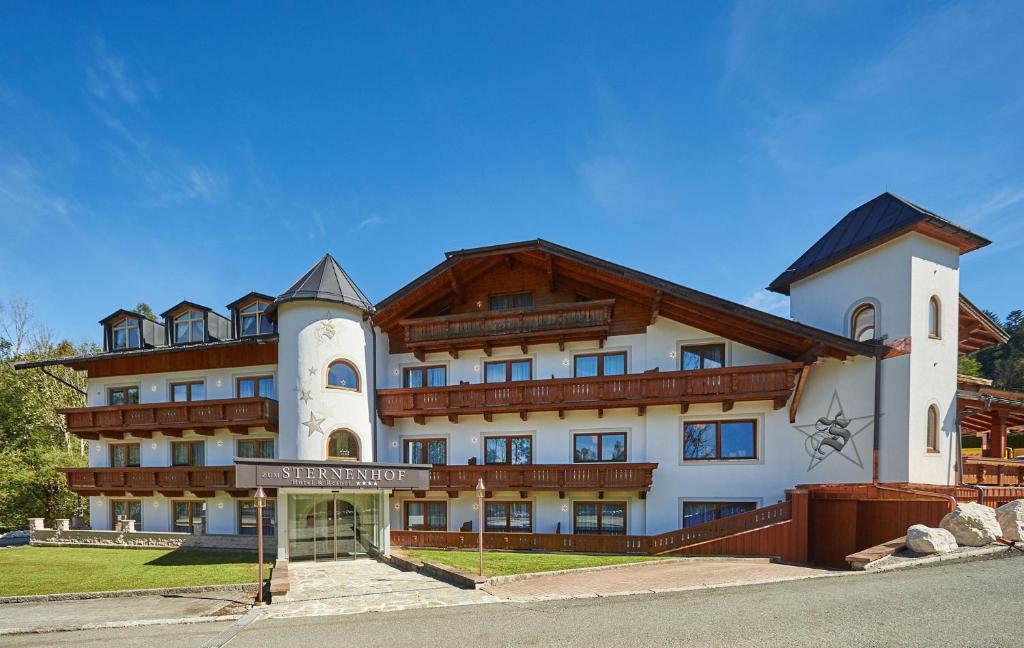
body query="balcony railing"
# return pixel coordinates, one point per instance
(518, 327)
(733, 384)
(560, 477)
(985, 471)
(236, 414)
(94, 481)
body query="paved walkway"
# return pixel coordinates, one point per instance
(350, 587)
(656, 576)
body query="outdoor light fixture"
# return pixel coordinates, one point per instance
(152, 388)
(397, 506)
(220, 444)
(394, 444)
(220, 505)
(672, 354)
(476, 367)
(153, 445)
(565, 362)
(156, 504)
(565, 507)
(473, 440)
(220, 383)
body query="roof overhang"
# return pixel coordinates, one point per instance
(976, 329)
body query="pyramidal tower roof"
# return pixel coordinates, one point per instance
(325, 281)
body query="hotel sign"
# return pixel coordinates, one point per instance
(279, 473)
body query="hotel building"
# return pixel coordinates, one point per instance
(597, 403)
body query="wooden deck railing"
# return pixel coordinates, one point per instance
(732, 384)
(240, 413)
(591, 476)
(535, 325)
(985, 471)
(87, 481)
(658, 544)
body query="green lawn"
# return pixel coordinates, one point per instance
(53, 570)
(502, 563)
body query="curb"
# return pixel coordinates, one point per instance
(511, 578)
(7, 632)
(162, 591)
(887, 564)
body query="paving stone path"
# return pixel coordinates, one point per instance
(351, 587)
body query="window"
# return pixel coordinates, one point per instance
(516, 450)
(600, 364)
(254, 320)
(934, 318)
(425, 377)
(426, 451)
(247, 517)
(125, 334)
(250, 386)
(126, 510)
(695, 513)
(933, 428)
(125, 455)
(188, 453)
(508, 517)
(702, 356)
(599, 518)
(510, 301)
(862, 324)
(189, 327)
(341, 374)
(605, 446)
(123, 395)
(720, 440)
(426, 516)
(187, 513)
(508, 371)
(343, 445)
(255, 448)
(189, 391)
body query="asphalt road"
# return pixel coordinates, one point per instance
(966, 604)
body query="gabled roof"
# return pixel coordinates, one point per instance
(705, 311)
(184, 303)
(879, 220)
(325, 281)
(123, 312)
(976, 330)
(249, 297)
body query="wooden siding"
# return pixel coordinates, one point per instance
(143, 481)
(773, 382)
(114, 421)
(993, 472)
(168, 359)
(580, 476)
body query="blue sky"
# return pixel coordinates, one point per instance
(187, 151)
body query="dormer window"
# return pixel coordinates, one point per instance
(125, 334)
(189, 327)
(254, 320)
(862, 324)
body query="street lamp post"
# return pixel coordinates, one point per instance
(480, 491)
(260, 499)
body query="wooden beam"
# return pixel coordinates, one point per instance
(173, 433)
(727, 405)
(523, 415)
(810, 355)
(387, 420)
(238, 429)
(779, 403)
(561, 494)
(561, 413)
(419, 494)
(551, 272)
(453, 494)
(600, 494)
(656, 307)
(798, 393)
(488, 417)
(112, 435)
(643, 495)
(457, 288)
(684, 408)
(420, 419)
(487, 349)
(204, 432)
(453, 418)
(142, 434)
(418, 354)
(640, 411)
(524, 346)
(453, 352)
(522, 494)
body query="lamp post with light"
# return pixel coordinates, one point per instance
(261, 497)
(480, 522)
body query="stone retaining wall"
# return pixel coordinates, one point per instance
(146, 539)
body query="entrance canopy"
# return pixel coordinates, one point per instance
(282, 473)
(989, 412)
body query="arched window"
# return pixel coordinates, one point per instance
(188, 327)
(862, 324)
(933, 428)
(341, 374)
(343, 445)
(934, 318)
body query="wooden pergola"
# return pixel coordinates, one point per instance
(984, 411)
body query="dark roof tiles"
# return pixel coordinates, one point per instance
(325, 281)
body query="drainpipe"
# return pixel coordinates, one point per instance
(373, 398)
(877, 432)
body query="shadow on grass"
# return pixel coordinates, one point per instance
(180, 557)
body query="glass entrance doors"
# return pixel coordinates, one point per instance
(333, 526)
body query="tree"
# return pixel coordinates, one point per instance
(969, 366)
(142, 308)
(1004, 363)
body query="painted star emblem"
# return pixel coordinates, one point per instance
(313, 424)
(312, 371)
(819, 451)
(305, 396)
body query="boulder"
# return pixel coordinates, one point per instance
(1011, 519)
(973, 525)
(926, 540)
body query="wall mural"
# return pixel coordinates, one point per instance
(834, 433)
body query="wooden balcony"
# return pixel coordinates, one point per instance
(985, 471)
(727, 386)
(547, 477)
(201, 481)
(520, 327)
(113, 422)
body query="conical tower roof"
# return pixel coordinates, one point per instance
(325, 281)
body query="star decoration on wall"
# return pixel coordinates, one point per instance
(313, 424)
(305, 396)
(834, 434)
(312, 371)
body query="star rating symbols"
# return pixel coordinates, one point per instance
(305, 396)
(313, 424)
(819, 452)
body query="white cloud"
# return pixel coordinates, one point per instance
(769, 302)
(316, 228)
(368, 222)
(997, 202)
(108, 76)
